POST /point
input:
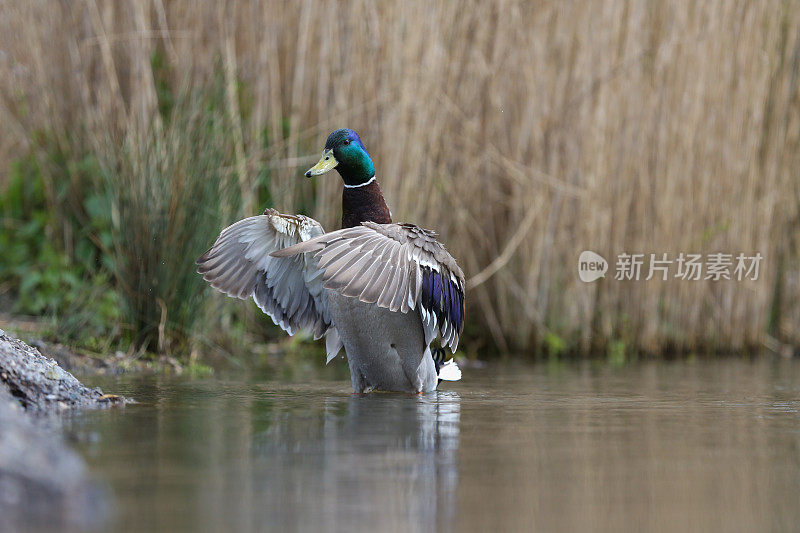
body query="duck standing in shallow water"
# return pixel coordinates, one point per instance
(383, 291)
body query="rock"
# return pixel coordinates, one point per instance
(39, 383)
(43, 483)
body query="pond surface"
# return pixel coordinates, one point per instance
(680, 446)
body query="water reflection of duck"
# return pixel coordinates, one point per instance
(359, 461)
(383, 291)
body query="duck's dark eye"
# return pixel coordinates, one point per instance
(327, 157)
(347, 141)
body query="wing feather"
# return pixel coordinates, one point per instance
(288, 289)
(400, 267)
(387, 295)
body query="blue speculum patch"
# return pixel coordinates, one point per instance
(442, 296)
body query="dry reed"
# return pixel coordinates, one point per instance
(524, 132)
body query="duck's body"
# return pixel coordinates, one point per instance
(386, 350)
(382, 291)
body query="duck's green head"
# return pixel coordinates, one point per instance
(345, 152)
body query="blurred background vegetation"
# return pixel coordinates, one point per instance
(524, 132)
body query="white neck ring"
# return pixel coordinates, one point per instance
(360, 184)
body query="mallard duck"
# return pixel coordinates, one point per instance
(382, 290)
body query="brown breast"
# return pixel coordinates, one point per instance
(362, 204)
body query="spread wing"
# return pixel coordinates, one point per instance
(397, 266)
(288, 289)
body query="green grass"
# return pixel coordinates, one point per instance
(71, 285)
(109, 254)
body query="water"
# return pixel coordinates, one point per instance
(673, 446)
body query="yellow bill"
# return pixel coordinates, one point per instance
(326, 163)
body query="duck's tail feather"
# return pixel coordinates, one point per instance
(449, 371)
(445, 371)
